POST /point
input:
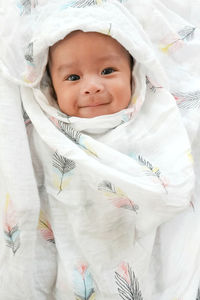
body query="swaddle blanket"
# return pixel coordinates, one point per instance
(82, 199)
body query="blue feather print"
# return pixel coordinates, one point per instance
(83, 283)
(11, 229)
(12, 239)
(25, 6)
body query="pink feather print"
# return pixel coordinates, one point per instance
(118, 197)
(11, 229)
(127, 283)
(126, 203)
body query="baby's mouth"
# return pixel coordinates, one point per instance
(94, 104)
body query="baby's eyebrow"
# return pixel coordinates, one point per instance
(107, 58)
(65, 66)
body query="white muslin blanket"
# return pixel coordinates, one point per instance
(88, 205)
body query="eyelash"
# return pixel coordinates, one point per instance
(110, 69)
(75, 77)
(71, 76)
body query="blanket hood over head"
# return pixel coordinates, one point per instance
(83, 204)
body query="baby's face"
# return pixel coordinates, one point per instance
(91, 74)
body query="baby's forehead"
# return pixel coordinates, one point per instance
(78, 40)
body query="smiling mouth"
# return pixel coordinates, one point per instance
(94, 105)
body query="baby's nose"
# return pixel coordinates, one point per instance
(92, 86)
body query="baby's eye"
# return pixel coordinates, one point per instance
(107, 71)
(73, 77)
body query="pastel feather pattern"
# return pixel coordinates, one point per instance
(128, 285)
(11, 229)
(69, 131)
(26, 118)
(29, 54)
(81, 3)
(26, 5)
(188, 100)
(185, 34)
(88, 149)
(151, 86)
(118, 197)
(64, 167)
(45, 228)
(153, 171)
(83, 283)
(75, 136)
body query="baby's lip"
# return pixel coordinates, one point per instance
(94, 104)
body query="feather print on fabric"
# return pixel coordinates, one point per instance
(81, 3)
(25, 6)
(45, 228)
(155, 171)
(11, 229)
(107, 31)
(118, 198)
(128, 285)
(198, 295)
(64, 167)
(26, 118)
(186, 101)
(31, 73)
(185, 34)
(61, 114)
(87, 148)
(75, 136)
(69, 131)
(83, 283)
(29, 54)
(152, 87)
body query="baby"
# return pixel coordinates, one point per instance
(91, 74)
(104, 162)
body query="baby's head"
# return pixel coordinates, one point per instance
(91, 74)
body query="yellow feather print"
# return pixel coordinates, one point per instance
(166, 48)
(56, 181)
(190, 156)
(7, 201)
(134, 100)
(88, 149)
(107, 31)
(45, 228)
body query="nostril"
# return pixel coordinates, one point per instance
(92, 91)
